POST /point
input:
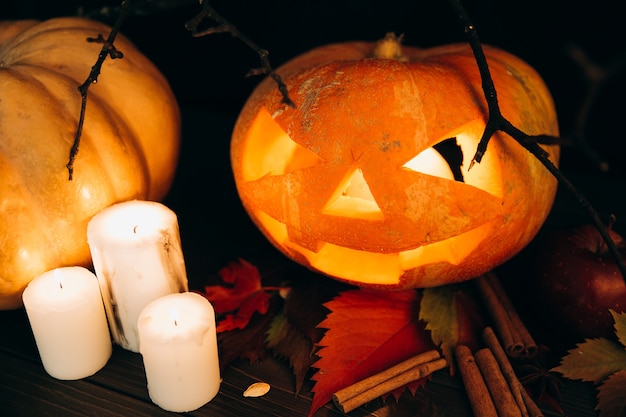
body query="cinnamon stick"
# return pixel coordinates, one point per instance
(475, 386)
(516, 387)
(496, 383)
(364, 391)
(517, 341)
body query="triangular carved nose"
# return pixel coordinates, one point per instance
(353, 198)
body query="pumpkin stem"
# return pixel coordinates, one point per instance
(390, 47)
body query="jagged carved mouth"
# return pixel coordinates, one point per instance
(356, 223)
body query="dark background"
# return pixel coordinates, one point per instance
(211, 70)
(208, 76)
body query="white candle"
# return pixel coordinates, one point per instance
(137, 255)
(178, 343)
(67, 317)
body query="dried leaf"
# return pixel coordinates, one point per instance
(612, 395)
(249, 342)
(256, 302)
(367, 332)
(277, 331)
(241, 299)
(620, 326)
(289, 343)
(304, 307)
(244, 280)
(438, 310)
(593, 360)
(293, 334)
(452, 318)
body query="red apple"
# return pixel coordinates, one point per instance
(580, 280)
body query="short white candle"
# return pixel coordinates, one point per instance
(137, 255)
(178, 343)
(67, 317)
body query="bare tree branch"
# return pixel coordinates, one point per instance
(107, 50)
(224, 26)
(531, 143)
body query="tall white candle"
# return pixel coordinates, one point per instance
(137, 255)
(67, 317)
(178, 343)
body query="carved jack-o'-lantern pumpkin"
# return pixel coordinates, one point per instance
(367, 179)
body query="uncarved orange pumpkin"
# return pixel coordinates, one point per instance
(129, 147)
(367, 179)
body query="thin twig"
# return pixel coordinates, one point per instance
(497, 122)
(224, 26)
(107, 50)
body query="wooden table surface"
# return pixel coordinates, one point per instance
(119, 389)
(208, 78)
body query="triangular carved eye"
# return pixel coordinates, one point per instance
(353, 198)
(281, 155)
(443, 160)
(450, 159)
(450, 150)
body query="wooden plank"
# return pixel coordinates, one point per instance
(120, 389)
(26, 390)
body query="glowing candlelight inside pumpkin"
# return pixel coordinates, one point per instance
(138, 258)
(367, 179)
(178, 343)
(67, 317)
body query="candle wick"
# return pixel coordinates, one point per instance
(175, 323)
(60, 285)
(135, 229)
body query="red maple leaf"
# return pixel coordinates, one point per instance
(367, 332)
(241, 298)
